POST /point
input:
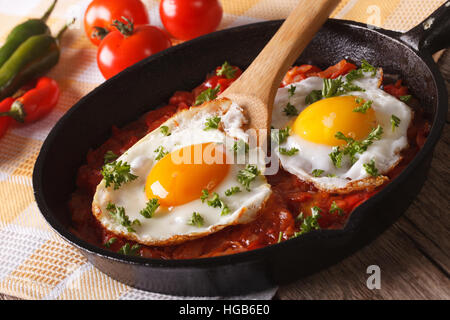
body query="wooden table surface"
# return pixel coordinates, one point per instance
(413, 254)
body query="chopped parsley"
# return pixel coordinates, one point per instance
(118, 213)
(367, 67)
(353, 147)
(196, 220)
(216, 202)
(354, 75)
(280, 236)
(371, 169)
(161, 152)
(129, 250)
(290, 110)
(280, 136)
(212, 123)
(247, 175)
(110, 156)
(335, 208)
(395, 122)
(150, 208)
(205, 195)
(207, 95)
(288, 152)
(240, 146)
(232, 190)
(110, 242)
(364, 107)
(117, 173)
(165, 130)
(317, 172)
(291, 90)
(405, 98)
(314, 96)
(332, 88)
(309, 223)
(226, 70)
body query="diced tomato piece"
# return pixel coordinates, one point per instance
(299, 73)
(397, 90)
(339, 69)
(185, 97)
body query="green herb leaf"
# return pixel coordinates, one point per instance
(165, 130)
(395, 122)
(212, 123)
(232, 191)
(117, 173)
(196, 220)
(110, 242)
(280, 136)
(317, 172)
(309, 223)
(314, 96)
(335, 208)
(288, 152)
(240, 146)
(405, 98)
(353, 147)
(247, 175)
(291, 90)
(290, 110)
(354, 74)
(129, 250)
(367, 67)
(371, 169)
(226, 70)
(161, 152)
(364, 107)
(216, 202)
(110, 156)
(207, 95)
(331, 87)
(280, 236)
(336, 157)
(118, 213)
(205, 195)
(150, 208)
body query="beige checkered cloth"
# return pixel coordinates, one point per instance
(35, 263)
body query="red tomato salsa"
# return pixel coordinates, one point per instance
(291, 196)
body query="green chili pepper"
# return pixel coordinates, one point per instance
(37, 55)
(22, 32)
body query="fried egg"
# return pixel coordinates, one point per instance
(183, 181)
(330, 124)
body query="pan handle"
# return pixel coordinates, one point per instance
(432, 34)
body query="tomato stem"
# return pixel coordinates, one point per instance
(126, 28)
(99, 32)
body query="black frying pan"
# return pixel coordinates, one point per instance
(151, 82)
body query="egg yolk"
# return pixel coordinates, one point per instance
(179, 177)
(320, 121)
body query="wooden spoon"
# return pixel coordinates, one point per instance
(256, 88)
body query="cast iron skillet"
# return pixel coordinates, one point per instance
(150, 83)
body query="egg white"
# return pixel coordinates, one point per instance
(170, 225)
(385, 152)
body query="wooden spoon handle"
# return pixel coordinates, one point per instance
(263, 76)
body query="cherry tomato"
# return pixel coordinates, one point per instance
(187, 19)
(100, 14)
(127, 45)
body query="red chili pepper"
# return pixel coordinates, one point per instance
(5, 122)
(35, 103)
